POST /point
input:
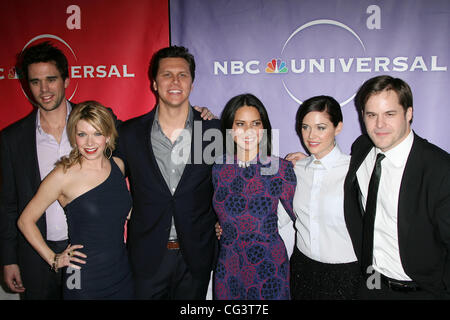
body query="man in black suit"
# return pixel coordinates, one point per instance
(29, 149)
(400, 229)
(171, 234)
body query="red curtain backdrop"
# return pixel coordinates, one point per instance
(108, 43)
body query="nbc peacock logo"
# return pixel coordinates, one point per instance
(276, 66)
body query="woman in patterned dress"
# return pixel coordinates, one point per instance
(248, 184)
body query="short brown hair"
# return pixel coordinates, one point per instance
(171, 52)
(384, 83)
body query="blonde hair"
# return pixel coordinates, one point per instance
(97, 116)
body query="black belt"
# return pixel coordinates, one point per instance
(400, 285)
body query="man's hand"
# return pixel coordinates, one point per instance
(295, 156)
(218, 230)
(11, 275)
(205, 113)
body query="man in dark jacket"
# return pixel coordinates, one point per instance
(171, 235)
(397, 199)
(29, 149)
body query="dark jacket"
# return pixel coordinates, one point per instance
(19, 181)
(154, 205)
(423, 213)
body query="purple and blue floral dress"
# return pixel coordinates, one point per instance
(253, 263)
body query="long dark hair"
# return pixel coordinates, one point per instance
(229, 112)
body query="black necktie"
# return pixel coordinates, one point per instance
(369, 216)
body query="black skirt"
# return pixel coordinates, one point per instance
(314, 280)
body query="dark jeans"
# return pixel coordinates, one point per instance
(172, 281)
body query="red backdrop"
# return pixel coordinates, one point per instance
(108, 43)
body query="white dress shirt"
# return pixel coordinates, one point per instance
(386, 253)
(319, 206)
(49, 151)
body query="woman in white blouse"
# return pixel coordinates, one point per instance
(323, 263)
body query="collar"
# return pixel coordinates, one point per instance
(328, 162)
(38, 117)
(233, 159)
(399, 154)
(187, 124)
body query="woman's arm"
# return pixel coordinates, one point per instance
(289, 185)
(49, 191)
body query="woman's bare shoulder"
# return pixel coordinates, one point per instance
(120, 164)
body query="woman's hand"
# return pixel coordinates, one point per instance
(218, 231)
(70, 255)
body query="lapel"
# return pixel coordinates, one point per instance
(27, 141)
(361, 149)
(410, 188)
(147, 130)
(196, 149)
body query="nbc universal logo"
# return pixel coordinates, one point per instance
(289, 66)
(76, 71)
(87, 71)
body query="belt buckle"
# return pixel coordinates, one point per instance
(173, 245)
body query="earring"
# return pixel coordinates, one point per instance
(106, 152)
